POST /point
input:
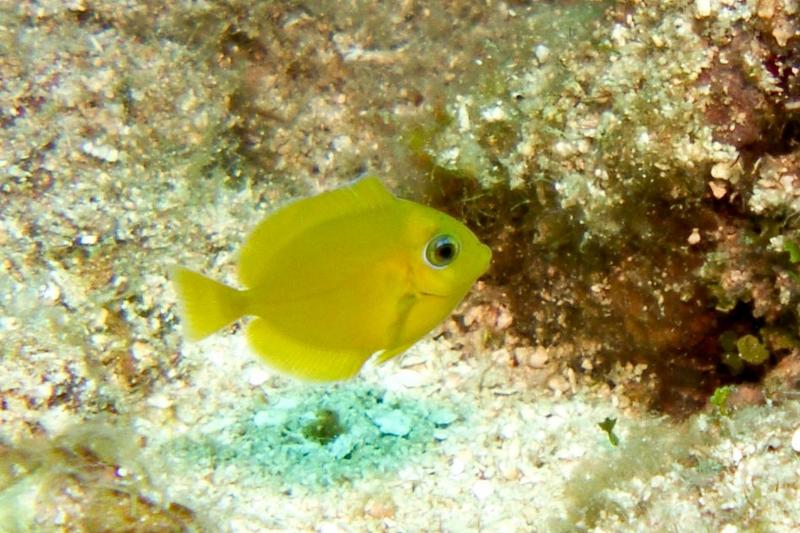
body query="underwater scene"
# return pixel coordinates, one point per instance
(414, 266)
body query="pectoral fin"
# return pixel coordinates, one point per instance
(399, 344)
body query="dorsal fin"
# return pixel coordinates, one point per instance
(280, 227)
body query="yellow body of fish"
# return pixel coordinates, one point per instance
(338, 277)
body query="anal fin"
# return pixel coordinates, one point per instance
(304, 361)
(392, 352)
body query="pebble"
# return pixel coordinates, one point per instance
(458, 466)
(392, 423)
(141, 350)
(534, 357)
(722, 171)
(269, 417)
(97, 320)
(257, 376)
(329, 527)
(509, 471)
(736, 456)
(442, 417)
(88, 239)
(542, 53)
(342, 446)
(103, 152)
(51, 294)
(702, 8)
(508, 430)
(159, 401)
(504, 319)
(717, 189)
(557, 383)
(408, 378)
(796, 440)
(482, 489)
(440, 434)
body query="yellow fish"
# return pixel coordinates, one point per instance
(337, 278)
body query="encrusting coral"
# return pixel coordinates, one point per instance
(640, 182)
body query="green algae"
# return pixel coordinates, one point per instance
(607, 425)
(793, 249)
(751, 350)
(324, 428)
(719, 400)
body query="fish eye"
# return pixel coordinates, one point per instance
(441, 251)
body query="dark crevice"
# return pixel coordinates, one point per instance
(641, 298)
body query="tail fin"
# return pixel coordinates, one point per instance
(205, 305)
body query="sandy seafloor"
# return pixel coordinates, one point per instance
(125, 148)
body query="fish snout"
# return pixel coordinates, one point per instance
(484, 258)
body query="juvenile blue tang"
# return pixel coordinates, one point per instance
(337, 278)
